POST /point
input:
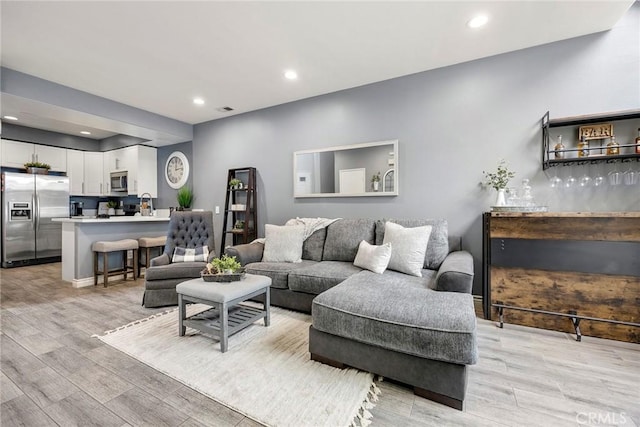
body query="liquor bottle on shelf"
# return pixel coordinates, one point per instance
(583, 147)
(613, 148)
(638, 142)
(558, 150)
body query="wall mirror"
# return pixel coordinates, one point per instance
(347, 171)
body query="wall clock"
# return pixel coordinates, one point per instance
(176, 170)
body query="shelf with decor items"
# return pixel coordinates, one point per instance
(240, 207)
(597, 131)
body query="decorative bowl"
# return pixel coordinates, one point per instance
(222, 277)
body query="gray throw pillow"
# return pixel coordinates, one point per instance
(283, 243)
(409, 247)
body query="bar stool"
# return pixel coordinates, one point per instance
(146, 244)
(105, 248)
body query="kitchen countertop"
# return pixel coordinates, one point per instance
(113, 219)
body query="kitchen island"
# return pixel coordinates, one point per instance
(78, 234)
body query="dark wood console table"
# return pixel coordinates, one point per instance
(565, 271)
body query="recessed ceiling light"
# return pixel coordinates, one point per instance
(85, 132)
(290, 75)
(478, 21)
(198, 101)
(10, 118)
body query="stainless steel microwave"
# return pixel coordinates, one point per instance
(119, 181)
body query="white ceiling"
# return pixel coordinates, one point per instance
(157, 56)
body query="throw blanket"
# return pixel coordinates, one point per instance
(311, 225)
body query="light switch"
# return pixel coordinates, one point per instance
(217, 210)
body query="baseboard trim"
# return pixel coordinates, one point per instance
(88, 281)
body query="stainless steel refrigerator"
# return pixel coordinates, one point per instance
(29, 202)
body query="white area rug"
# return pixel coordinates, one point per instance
(266, 374)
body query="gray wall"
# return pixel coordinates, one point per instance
(45, 137)
(452, 123)
(167, 196)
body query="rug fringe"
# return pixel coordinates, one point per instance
(363, 416)
(136, 322)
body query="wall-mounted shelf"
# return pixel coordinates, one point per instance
(626, 147)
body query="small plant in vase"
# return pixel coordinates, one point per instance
(37, 167)
(235, 184)
(499, 180)
(185, 198)
(112, 205)
(375, 181)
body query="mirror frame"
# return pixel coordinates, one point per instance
(393, 142)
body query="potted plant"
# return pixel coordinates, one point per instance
(235, 183)
(112, 205)
(375, 180)
(37, 167)
(185, 198)
(225, 265)
(499, 180)
(239, 225)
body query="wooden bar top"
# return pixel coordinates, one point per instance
(565, 214)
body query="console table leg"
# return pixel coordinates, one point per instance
(576, 325)
(501, 314)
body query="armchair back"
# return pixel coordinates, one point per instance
(189, 229)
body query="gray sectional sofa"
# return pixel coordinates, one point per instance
(417, 330)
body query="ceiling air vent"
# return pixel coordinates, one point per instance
(225, 109)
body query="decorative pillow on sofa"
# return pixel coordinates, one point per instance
(373, 258)
(201, 253)
(438, 246)
(283, 243)
(409, 247)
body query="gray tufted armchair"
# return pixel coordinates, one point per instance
(186, 230)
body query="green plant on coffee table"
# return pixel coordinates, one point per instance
(185, 197)
(226, 264)
(500, 178)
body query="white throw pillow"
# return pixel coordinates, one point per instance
(283, 243)
(409, 247)
(373, 258)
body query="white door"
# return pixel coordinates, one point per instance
(352, 181)
(93, 174)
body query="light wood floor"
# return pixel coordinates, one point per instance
(55, 373)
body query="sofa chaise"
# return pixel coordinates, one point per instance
(417, 330)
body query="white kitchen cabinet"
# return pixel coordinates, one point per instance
(54, 156)
(141, 164)
(75, 172)
(93, 174)
(147, 171)
(15, 154)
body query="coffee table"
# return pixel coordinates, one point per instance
(226, 316)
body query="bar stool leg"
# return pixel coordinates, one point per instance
(136, 267)
(125, 264)
(105, 268)
(95, 268)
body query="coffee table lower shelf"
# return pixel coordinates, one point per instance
(208, 321)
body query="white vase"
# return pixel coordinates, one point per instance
(500, 199)
(376, 185)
